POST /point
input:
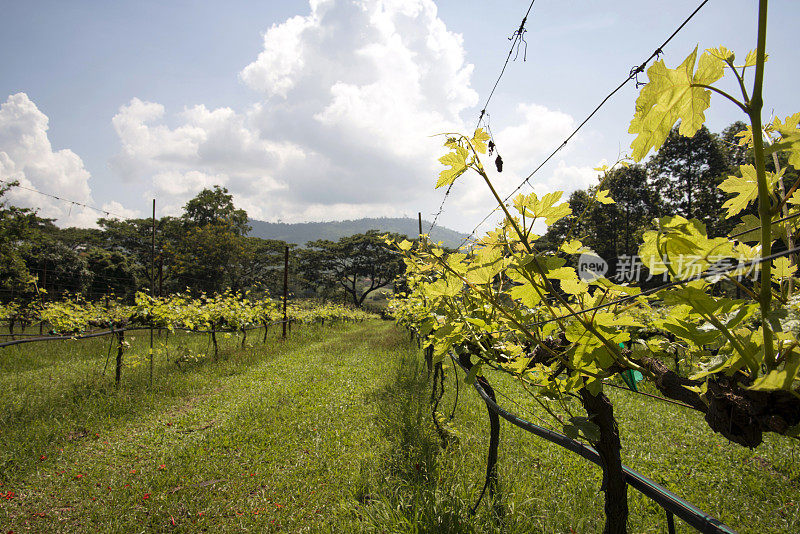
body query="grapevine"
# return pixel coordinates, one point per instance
(530, 314)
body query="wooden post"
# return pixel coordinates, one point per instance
(160, 283)
(419, 217)
(41, 295)
(152, 286)
(120, 351)
(285, 287)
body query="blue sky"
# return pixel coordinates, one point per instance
(324, 110)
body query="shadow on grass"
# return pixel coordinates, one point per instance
(419, 487)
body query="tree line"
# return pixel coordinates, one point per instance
(205, 249)
(682, 178)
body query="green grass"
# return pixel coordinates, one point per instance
(331, 431)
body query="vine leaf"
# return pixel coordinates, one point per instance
(587, 428)
(479, 141)
(546, 207)
(457, 161)
(752, 225)
(778, 379)
(723, 53)
(672, 95)
(473, 373)
(790, 138)
(781, 268)
(744, 188)
(603, 197)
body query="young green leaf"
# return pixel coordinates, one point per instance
(457, 161)
(672, 95)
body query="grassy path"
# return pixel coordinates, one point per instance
(277, 444)
(331, 431)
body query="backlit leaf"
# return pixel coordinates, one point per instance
(671, 95)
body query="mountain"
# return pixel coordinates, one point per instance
(301, 233)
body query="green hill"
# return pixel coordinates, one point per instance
(301, 233)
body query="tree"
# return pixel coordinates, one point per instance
(215, 206)
(211, 244)
(59, 268)
(260, 265)
(611, 230)
(618, 227)
(687, 172)
(358, 264)
(133, 239)
(111, 272)
(736, 154)
(15, 226)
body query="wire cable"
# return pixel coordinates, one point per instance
(73, 202)
(515, 38)
(634, 72)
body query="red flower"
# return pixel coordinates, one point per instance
(146, 496)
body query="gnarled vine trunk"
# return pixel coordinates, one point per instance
(601, 412)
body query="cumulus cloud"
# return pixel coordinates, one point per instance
(523, 146)
(27, 156)
(348, 97)
(114, 209)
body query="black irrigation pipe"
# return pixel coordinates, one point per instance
(66, 337)
(126, 329)
(673, 504)
(623, 388)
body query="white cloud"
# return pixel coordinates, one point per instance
(27, 156)
(117, 210)
(209, 147)
(523, 146)
(349, 95)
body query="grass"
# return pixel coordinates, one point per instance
(331, 431)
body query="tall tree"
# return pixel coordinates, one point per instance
(616, 229)
(213, 248)
(687, 172)
(15, 226)
(111, 272)
(215, 206)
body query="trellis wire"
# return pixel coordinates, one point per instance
(631, 76)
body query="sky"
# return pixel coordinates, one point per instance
(329, 109)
